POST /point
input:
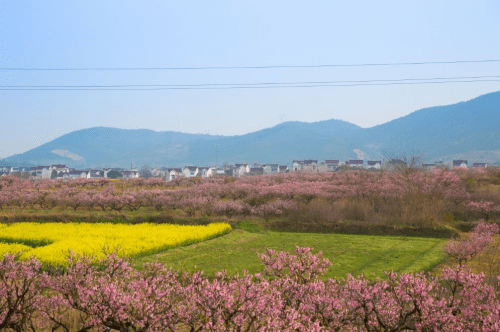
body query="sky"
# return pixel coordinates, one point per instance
(199, 34)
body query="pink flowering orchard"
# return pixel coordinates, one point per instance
(463, 250)
(484, 207)
(290, 295)
(114, 295)
(384, 195)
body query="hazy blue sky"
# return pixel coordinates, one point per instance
(82, 34)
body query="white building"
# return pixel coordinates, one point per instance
(95, 174)
(59, 168)
(173, 173)
(297, 165)
(203, 172)
(374, 164)
(41, 172)
(305, 165)
(241, 169)
(130, 174)
(332, 164)
(77, 174)
(211, 172)
(479, 165)
(283, 169)
(190, 171)
(20, 170)
(157, 172)
(460, 163)
(271, 168)
(358, 163)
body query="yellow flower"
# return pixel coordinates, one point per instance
(51, 242)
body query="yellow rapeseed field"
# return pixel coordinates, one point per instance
(8, 248)
(51, 242)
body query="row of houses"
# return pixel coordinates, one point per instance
(238, 170)
(455, 163)
(331, 165)
(63, 172)
(186, 172)
(256, 169)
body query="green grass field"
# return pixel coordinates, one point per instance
(355, 254)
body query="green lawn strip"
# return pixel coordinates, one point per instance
(426, 260)
(355, 254)
(399, 254)
(182, 244)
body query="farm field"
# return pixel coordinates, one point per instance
(184, 247)
(364, 225)
(355, 254)
(51, 242)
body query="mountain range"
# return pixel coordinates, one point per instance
(466, 130)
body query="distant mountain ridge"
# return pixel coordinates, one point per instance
(465, 130)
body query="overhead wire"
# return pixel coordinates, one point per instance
(242, 84)
(236, 86)
(255, 67)
(262, 85)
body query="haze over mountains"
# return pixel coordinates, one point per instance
(466, 130)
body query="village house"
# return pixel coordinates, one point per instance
(355, 163)
(429, 166)
(256, 171)
(190, 171)
(105, 171)
(283, 169)
(328, 166)
(241, 169)
(173, 173)
(479, 165)
(212, 171)
(331, 164)
(130, 174)
(322, 167)
(310, 166)
(62, 175)
(374, 164)
(158, 172)
(297, 165)
(77, 174)
(460, 163)
(20, 170)
(59, 168)
(95, 174)
(270, 168)
(202, 172)
(41, 172)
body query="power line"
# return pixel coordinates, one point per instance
(243, 84)
(245, 87)
(258, 67)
